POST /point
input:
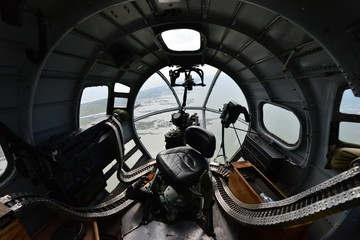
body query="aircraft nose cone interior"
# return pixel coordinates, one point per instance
(91, 91)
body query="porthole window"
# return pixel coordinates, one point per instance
(93, 104)
(281, 123)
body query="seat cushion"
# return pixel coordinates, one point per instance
(201, 139)
(181, 166)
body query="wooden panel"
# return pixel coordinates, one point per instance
(244, 192)
(241, 188)
(14, 231)
(91, 231)
(4, 211)
(246, 164)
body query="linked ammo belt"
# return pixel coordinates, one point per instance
(336, 194)
(136, 173)
(133, 174)
(18, 202)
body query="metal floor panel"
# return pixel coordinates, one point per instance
(225, 229)
(157, 230)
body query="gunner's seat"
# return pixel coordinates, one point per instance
(182, 166)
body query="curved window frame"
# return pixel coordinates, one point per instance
(277, 139)
(203, 108)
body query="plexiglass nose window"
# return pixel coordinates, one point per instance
(165, 107)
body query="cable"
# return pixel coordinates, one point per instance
(237, 136)
(241, 148)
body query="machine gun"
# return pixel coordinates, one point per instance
(181, 119)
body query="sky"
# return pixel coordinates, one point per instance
(182, 39)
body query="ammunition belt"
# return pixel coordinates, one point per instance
(136, 173)
(21, 201)
(336, 194)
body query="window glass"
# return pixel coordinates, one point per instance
(153, 96)
(156, 95)
(128, 146)
(133, 159)
(231, 140)
(3, 161)
(281, 123)
(196, 97)
(121, 88)
(349, 132)
(112, 182)
(120, 102)
(151, 131)
(193, 114)
(349, 103)
(182, 39)
(93, 104)
(165, 72)
(225, 90)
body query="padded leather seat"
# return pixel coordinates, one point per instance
(182, 166)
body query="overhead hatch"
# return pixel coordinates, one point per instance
(182, 39)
